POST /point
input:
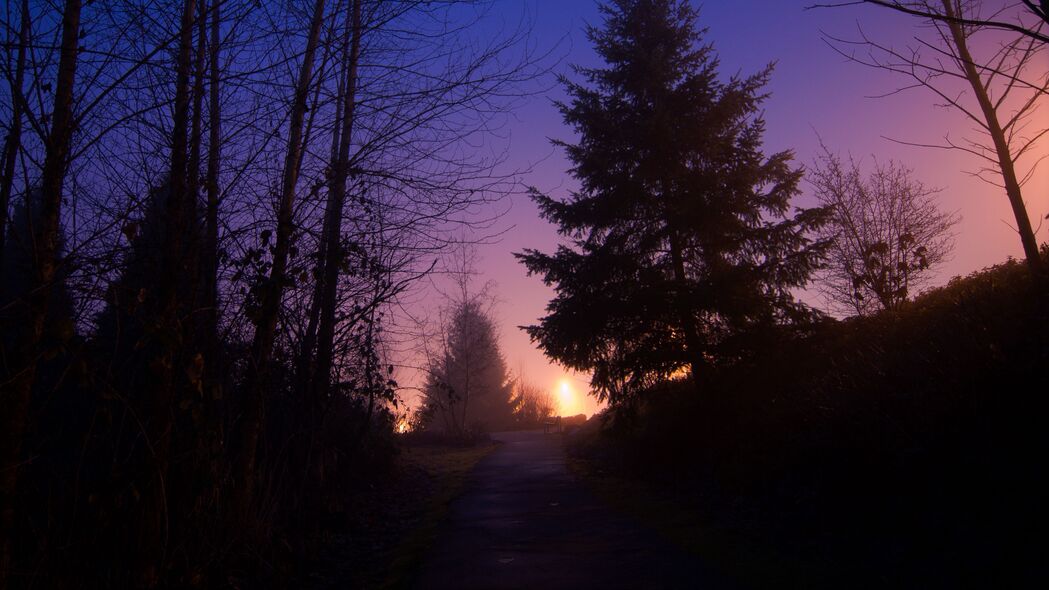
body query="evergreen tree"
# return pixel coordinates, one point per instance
(468, 385)
(683, 249)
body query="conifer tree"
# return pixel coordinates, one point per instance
(468, 385)
(682, 242)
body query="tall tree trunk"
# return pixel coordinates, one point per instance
(266, 320)
(1001, 143)
(14, 414)
(13, 142)
(169, 344)
(309, 339)
(336, 199)
(211, 439)
(210, 255)
(196, 133)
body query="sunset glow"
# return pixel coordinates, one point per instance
(567, 401)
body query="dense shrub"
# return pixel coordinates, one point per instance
(903, 447)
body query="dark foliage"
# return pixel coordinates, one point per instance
(896, 450)
(88, 516)
(468, 389)
(683, 246)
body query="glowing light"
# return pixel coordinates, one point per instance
(402, 426)
(566, 398)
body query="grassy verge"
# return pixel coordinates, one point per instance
(397, 519)
(448, 468)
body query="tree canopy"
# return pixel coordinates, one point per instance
(887, 232)
(681, 241)
(468, 386)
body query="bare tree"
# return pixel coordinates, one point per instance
(887, 232)
(18, 379)
(174, 257)
(209, 254)
(1012, 17)
(532, 405)
(998, 92)
(13, 141)
(467, 381)
(327, 283)
(266, 317)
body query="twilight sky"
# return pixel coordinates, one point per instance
(813, 90)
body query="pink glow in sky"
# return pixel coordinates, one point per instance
(813, 91)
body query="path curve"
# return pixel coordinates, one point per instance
(525, 522)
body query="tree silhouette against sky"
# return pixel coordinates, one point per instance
(682, 243)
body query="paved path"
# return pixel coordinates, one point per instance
(525, 522)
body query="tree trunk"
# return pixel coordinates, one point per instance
(694, 351)
(156, 520)
(1001, 143)
(196, 133)
(15, 413)
(309, 339)
(266, 321)
(209, 256)
(14, 138)
(336, 199)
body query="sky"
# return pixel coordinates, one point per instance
(815, 93)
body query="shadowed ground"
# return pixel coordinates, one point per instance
(525, 522)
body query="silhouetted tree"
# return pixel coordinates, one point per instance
(682, 243)
(20, 364)
(532, 405)
(467, 385)
(271, 289)
(183, 191)
(13, 141)
(887, 233)
(996, 91)
(16, 279)
(1011, 17)
(53, 403)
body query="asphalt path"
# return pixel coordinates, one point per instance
(525, 522)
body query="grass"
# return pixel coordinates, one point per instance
(449, 468)
(397, 519)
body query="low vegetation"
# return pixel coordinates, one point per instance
(396, 519)
(899, 448)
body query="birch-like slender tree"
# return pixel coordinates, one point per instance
(998, 92)
(271, 291)
(19, 378)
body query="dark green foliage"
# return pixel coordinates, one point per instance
(683, 249)
(899, 449)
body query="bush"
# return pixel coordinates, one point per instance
(901, 446)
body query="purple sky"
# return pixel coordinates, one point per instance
(814, 90)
